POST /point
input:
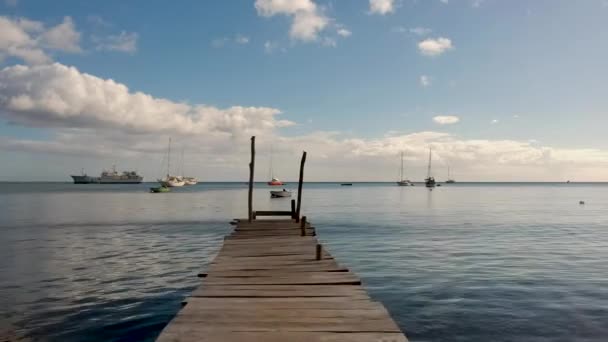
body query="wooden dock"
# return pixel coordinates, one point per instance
(273, 282)
(267, 285)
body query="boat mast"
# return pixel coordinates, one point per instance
(401, 166)
(428, 173)
(169, 159)
(271, 171)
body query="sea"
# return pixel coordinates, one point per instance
(463, 262)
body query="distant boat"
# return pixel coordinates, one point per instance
(169, 180)
(273, 180)
(430, 180)
(190, 180)
(346, 184)
(187, 180)
(401, 181)
(109, 177)
(280, 193)
(450, 180)
(161, 188)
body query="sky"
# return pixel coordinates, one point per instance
(500, 90)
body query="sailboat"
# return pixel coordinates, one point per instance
(401, 181)
(187, 180)
(274, 181)
(430, 180)
(450, 180)
(171, 181)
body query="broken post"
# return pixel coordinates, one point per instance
(251, 168)
(300, 186)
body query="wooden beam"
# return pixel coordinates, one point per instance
(251, 169)
(293, 208)
(300, 186)
(272, 213)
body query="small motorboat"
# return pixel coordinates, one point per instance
(346, 184)
(161, 188)
(280, 193)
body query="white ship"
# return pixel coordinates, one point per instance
(109, 177)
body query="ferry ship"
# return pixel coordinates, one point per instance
(109, 177)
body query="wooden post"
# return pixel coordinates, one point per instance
(303, 226)
(319, 252)
(300, 186)
(251, 168)
(293, 208)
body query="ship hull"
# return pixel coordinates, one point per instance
(85, 180)
(121, 181)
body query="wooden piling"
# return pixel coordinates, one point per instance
(303, 226)
(300, 186)
(293, 208)
(251, 169)
(319, 253)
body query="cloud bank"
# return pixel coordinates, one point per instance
(61, 96)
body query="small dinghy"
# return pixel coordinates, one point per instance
(281, 193)
(161, 188)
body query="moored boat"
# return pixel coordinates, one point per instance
(280, 193)
(159, 189)
(402, 181)
(450, 180)
(190, 180)
(274, 181)
(109, 177)
(429, 182)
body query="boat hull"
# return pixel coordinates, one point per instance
(85, 179)
(160, 189)
(277, 194)
(405, 183)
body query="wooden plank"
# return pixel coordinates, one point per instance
(190, 334)
(272, 213)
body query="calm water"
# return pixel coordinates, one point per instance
(467, 262)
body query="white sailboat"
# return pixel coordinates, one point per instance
(450, 180)
(430, 180)
(402, 181)
(169, 180)
(187, 180)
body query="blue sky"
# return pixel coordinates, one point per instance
(525, 81)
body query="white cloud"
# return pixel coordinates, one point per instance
(421, 31)
(59, 96)
(435, 47)
(446, 119)
(495, 121)
(344, 32)
(122, 42)
(31, 41)
(444, 1)
(240, 39)
(381, 7)
(63, 37)
(425, 81)
(308, 19)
